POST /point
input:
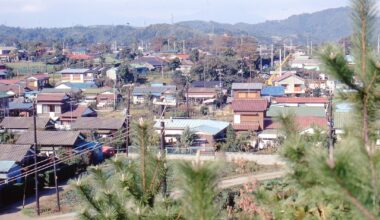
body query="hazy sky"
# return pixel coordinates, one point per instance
(58, 13)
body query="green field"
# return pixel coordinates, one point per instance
(24, 67)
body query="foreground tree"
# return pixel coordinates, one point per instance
(342, 183)
(123, 188)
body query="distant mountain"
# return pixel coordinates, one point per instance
(327, 25)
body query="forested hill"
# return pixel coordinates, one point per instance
(327, 25)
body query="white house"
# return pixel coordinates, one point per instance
(112, 73)
(293, 84)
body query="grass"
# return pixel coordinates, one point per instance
(25, 67)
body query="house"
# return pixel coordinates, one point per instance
(249, 114)
(157, 93)
(273, 91)
(293, 84)
(186, 66)
(102, 126)
(202, 94)
(90, 94)
(68, 140)
(21, 154)
(305, 124)
(52, 104)
(14, 88)
(246, 90)
(206, 84)
(23, 124)
(208, 131)
(37, 81)
(78, 86)
(19, 107)
(112, 73)
(317, 111)
(108, 98)
(6, 53)
(76, 112)
(77, 75)
(300, 101)
(154, 61)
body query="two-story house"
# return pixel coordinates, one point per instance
(77, 75)
(37, 81)
(293, 84)
(52, 104)
(249, 114)
(246, 90)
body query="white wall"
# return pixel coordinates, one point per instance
(237, 119)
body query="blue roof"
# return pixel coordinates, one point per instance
(17, 105)
(6, 165)
(276, 91)
(80, 85)
(211, 127)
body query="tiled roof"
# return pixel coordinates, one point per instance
(94, 123)
(40, 76)
(155, 61)
(9, 81)
(80, 57)
(14, 152)
(252, 105)
(50, 138)
(247, 86)
(246, 127)
(210, 127)
(78, 111)
(301, 100)
(24, 122)
(303, 122)
(274, 91)
(56, 97)
(275, 111)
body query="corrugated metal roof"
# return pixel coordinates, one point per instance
(211, 127)
(155, 90)
(6, 165)
(275, 91)
(247, 86)
(318, 111)
(70, 71)
(14, 152)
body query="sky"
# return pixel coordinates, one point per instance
(65, 13)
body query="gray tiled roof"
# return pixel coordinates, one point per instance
(246, 86)
(24, 122)
(93, 123)
(50, 138)
(13, 152)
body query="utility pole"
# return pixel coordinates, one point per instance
(261, 60)
(280, 62)
(378, 44)
(127, 120)
(187, 99)
(163, 153)
(331, 130)
(272, 56)
(35, 158)
(311, 48)
(56, 181)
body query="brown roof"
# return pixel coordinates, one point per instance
(14, 152)
(53, 97)
(301, 100)
(24, 122)
(246, 127)
(50, 138)
(93, 123)
(40, 76)
(302, 122)
(78, 111)
(251, 105)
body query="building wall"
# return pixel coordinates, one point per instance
(246, 94)
(290, 84)
(249, 117)
(75, 78)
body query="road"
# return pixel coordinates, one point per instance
(15, 213)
